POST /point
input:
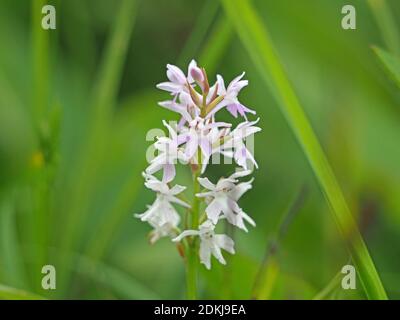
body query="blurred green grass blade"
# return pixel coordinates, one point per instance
(110, 74)
(127, 129)
(110, 225)
(93, 152)
(41, 93)
(9, 293)
(269, 269)
(387, 24)
(216, 45)
(10, 260)
(256, 40)
(40, 42)
(105, 92)
(326, 292)
(267, 280)
(203, 23)
(390, 62)
(123, 284)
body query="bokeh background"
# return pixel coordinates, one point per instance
(76, 104)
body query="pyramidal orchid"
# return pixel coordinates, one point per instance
(197, 140)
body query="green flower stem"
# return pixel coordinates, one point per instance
(192, 257)
(191, 272)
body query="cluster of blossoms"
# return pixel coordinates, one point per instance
(194, 141)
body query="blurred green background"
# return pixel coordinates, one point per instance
(76, 104)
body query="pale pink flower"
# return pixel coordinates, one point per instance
(235, 146)
(199, 134)
(169, 154)
(178, 81)
(230, 94)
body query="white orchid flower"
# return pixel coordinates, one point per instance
(200, 134)
(168, 229)
(178, 81)
(170, 153)
(215, 138)
(235, 147)
(210, 243)
(185, 106)
(223, 197)
(161, 214)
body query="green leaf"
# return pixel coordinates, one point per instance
(257, 41)
(390, 62)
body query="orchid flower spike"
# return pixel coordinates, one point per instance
(198, 139)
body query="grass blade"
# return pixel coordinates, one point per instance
(40, 41)
(203, 23)
(9, 293)
(123, 284)
(390, 62)
(331, 286)
(268, 272)
(386, 23)
(257, 41)
(110, 75)
(218, 41)
(112, 222)
(11, 261)
(93, 149)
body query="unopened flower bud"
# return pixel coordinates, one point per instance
(197, 74)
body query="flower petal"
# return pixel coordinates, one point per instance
(175, 74)
(233, 109)
(213, 210)
(191, 146)
(240, 189)
(206, 183)
(179, 201)
(170, 87)
(248, 218)
(225, 243)
(205, 254)
(239, 174)
(186, 233)
(169, 172)
(176, 189)
(221, 85)
(216, 251)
